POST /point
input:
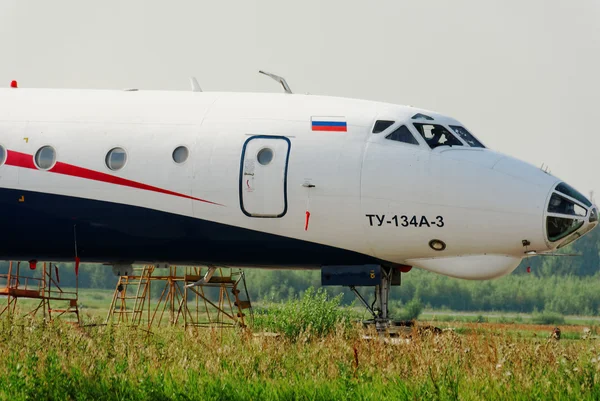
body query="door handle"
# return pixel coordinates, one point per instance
(307, 185)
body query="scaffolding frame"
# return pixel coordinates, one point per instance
(216, 303)
(45, 288)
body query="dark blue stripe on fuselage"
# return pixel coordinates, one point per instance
(329, 123)
(43, 227)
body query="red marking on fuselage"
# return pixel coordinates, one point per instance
(306, 220)
(24, 160)
(330, 128)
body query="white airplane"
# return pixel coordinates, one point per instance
(269, 180)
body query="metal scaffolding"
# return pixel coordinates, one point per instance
(180, 297)
(46, 289)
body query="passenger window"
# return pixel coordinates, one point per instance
(45, 158)
(437, 135)
(382, 125)
(402, 134)
(180, 154)
(264, 156)
(466, 136)
(116, 159)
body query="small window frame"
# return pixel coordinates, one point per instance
(108, 153)
(35, 156)
(186, 158)
(262, 150)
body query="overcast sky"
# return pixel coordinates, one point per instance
(522, 75)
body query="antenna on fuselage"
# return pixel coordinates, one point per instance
(279, 79)
(195, 85)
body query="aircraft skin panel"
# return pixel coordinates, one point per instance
(120, 232)
(345, 196)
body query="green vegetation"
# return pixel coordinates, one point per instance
(315, 314)
(546, 317)
(412, 309)
(62, 362)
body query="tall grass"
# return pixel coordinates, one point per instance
(313, 314)
(61, 362)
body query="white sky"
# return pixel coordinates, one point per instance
(522, 75)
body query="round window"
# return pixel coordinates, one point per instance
(180, 154)
(45, 157)
(265, 156)
(2, 155)
(116, 159)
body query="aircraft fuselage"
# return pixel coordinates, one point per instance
(265, 180)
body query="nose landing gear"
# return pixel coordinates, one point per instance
(380, 277)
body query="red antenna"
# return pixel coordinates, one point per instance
(14, 84)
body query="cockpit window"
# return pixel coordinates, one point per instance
(570, 191)
(562, 205)
(466, 136)
(382, 125)
(558, 227)
(437, 135)
(402, 134)
(422, 116)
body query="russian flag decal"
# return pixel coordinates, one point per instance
(337, 124)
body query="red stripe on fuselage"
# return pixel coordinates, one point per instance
(19, 159)
(329, 128)
(24, 160)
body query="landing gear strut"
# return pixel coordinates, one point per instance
(380, 277)
(379, 309)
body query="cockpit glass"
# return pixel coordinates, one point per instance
(422, 117)
(570, 191)
(559, 227)
(437, 135)
(382, 125)
(466, 136)
(562, 205)
(402, 134)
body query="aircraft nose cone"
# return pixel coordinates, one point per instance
(570, 215)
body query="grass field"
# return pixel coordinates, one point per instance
(477, 361)
(319, 355)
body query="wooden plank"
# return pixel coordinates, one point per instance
(17, 292)
(192, 278)
(242, 304)
(221, 280)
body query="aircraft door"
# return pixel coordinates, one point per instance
(263, 176)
